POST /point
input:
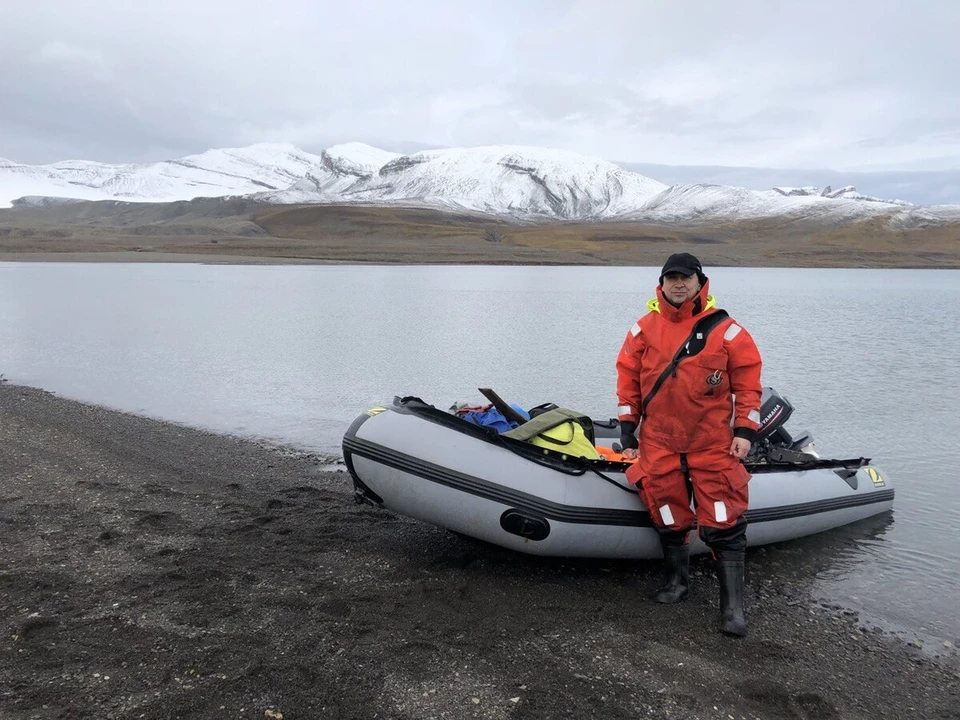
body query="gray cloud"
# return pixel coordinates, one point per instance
(744, 82)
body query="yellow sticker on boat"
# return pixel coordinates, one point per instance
(376, 411)
(875, 477)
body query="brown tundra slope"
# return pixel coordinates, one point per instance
(240, 230)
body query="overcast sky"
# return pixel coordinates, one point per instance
(839, 84)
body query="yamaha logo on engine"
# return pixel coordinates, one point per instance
(770, 415)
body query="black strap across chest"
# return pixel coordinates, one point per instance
(692, 346)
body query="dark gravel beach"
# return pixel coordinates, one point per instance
(151, 570)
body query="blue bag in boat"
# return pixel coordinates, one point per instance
(494, 418)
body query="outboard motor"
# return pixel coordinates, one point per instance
(773, 442)
(775, 410)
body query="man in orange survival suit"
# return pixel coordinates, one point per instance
(682, 387)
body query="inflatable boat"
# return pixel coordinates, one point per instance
(430, 464)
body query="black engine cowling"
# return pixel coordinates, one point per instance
(775, 410)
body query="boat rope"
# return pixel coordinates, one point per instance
(610, 480)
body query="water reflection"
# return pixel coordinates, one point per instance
(834, 554)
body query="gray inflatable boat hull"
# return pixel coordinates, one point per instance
(471, 483)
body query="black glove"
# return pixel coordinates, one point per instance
(628, 435)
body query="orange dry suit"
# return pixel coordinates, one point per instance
(689, 422)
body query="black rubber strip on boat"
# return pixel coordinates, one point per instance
(578, 514)
(495, 492)
(816, 507)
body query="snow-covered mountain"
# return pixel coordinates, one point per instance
(340, 170)
(215, 173)
(847, 192)
(515, 181)
(708, 203)
(920, 187)
(522, 183)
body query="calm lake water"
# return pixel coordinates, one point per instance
(869, 359)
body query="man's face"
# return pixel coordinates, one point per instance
(678, 288)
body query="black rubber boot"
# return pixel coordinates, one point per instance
(730, 575)
(728, 545)
(676, 566)
(676, 574)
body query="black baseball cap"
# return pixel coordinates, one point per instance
(683, 263)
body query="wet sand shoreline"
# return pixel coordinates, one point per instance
(152, 570)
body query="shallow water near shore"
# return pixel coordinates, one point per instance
(292, 354)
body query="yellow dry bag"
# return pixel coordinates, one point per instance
(562, 430)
